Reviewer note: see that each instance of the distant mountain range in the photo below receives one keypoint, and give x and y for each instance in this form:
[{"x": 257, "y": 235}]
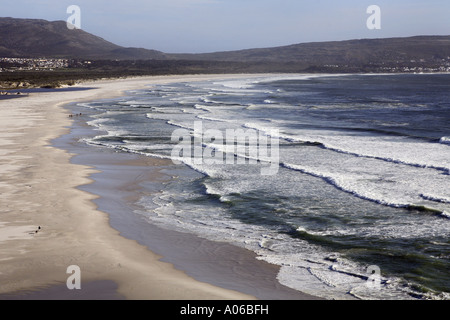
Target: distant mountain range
[
  {"x": 430, "y": 48},
  {"x": 33, "y": 38}
]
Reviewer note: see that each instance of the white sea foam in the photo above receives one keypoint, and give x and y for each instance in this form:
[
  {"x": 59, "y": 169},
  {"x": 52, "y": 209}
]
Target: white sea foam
[
  {"x": 97, "y": 122},
  {"x": 445, "y": 140},
  {"x": 302, "y": 266},
  {"x": 402, "y": 150},
  {"x": 382, "y": 184},
  {"x": 236, "y": 84},
  {"x": 101, "y": 124},
  {"x": 180, "y": 125},
  {"x": 202, "y": 107},
  {"x": 248, "y": 85},
  {"x": 202, "y": 117},
  {"x": 436, "y": 198}
]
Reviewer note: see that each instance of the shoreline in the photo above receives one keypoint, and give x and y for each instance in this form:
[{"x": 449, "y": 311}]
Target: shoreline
[
  {"x": 217, "y": 263},
  {"x": 73, "y": 232}
]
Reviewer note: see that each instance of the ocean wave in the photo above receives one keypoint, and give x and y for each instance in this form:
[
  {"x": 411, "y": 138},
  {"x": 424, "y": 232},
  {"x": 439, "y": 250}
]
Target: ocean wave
[
  {"x": 206, "y": 100},
  {"x": 440, "y": 199},
  {"x": 429, "y": 209},
  {"x": 89, "y": 105},
  {"x": 236, "y": 84},
  {"x": 202, "y": 117},
  {"x": 364, "y": 193},
  {"x": 202, "y": 107},
  {"x": 177, "y": 124},
  {"x": 135, "y": 149},
  {"x": 445, "y": 140},
  {"x": 97, "y": 122},
  {"x": 333, "y": 181},
  {"x": 441, "y": 163}
]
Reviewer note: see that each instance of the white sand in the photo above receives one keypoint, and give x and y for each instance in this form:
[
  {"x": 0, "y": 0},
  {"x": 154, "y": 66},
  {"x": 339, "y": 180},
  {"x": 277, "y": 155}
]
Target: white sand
[{"x": 38, "y": 188}]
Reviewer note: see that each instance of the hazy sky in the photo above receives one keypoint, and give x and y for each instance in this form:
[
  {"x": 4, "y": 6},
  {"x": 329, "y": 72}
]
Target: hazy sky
[{"x": 217, "y": 25}]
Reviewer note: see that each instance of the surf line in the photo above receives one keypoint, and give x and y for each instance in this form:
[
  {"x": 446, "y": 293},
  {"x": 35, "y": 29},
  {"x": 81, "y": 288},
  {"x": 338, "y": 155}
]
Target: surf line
[{"x": 212, "y": 146}]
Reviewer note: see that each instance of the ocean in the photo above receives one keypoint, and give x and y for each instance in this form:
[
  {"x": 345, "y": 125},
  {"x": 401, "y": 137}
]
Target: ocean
[{"x": 341, "y": 180}]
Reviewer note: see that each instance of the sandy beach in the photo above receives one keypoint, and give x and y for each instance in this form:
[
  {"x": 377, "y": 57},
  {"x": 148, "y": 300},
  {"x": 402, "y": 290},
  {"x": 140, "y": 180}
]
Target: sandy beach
[{"x": 48, "y": 223}]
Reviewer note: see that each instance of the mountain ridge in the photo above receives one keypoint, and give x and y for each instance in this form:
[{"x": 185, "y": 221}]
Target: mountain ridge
[
  {"x": 29, "y": 38},
  {"x": 34, "y": 38},
  {"x": 356, "y": 55}
]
